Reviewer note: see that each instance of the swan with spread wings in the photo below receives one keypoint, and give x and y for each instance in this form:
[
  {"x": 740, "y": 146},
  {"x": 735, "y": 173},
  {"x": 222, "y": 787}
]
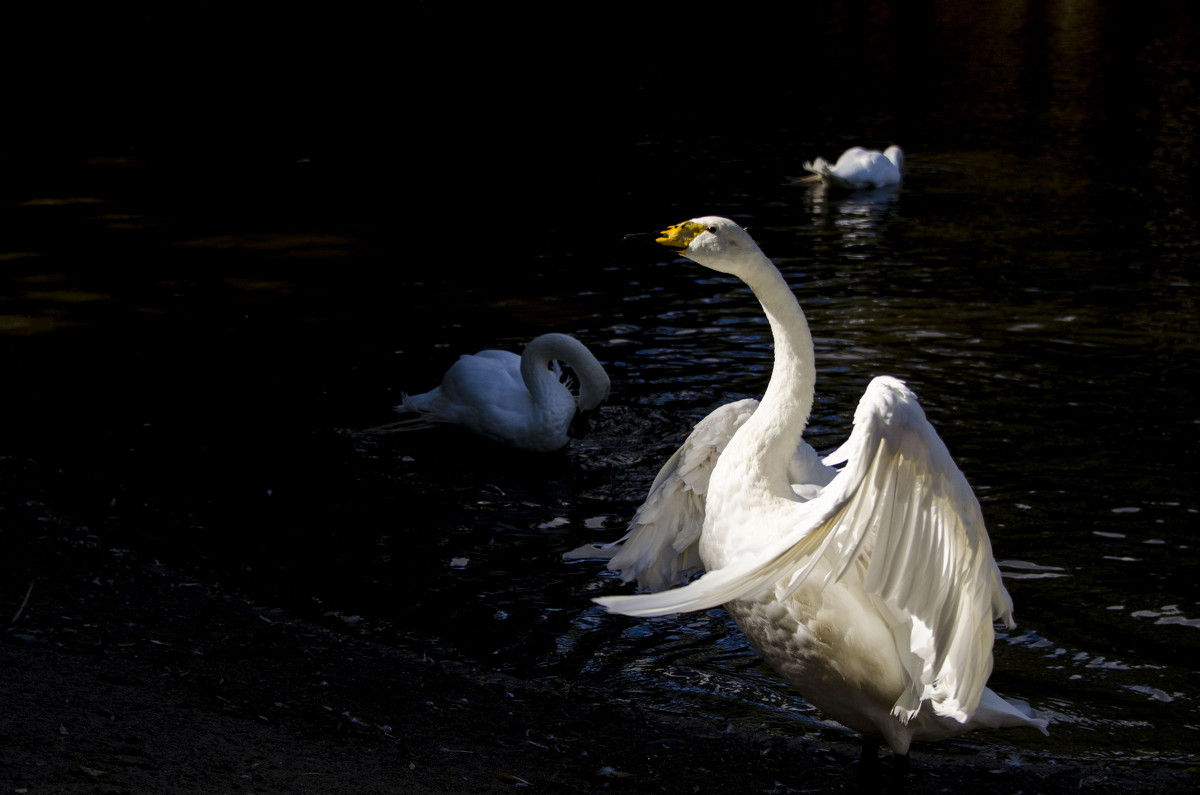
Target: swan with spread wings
[{"x": 866, "y": 580}]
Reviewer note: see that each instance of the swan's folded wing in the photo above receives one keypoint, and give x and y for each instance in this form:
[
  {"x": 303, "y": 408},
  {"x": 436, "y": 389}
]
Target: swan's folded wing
[
  {"x": 902, "y": 502},
  {"x": 661, "y": 547}
]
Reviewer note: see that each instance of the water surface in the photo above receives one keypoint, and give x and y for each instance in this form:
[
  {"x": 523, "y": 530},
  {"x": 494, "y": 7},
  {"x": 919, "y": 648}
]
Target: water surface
[{"x": 190, "y": 342}]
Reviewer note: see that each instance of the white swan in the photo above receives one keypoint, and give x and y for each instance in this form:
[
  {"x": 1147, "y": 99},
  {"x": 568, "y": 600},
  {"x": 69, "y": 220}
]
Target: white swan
[
  {"x": 521, "y": 400},
  {"x": 860, "y": 168},
  {"x": 872, "y": 594}
]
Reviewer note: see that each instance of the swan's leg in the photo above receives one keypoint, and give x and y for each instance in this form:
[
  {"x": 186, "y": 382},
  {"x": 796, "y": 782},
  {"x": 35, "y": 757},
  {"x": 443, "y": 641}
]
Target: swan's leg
[
  {"x": 867, "y": 774},
  {"x": 898, "y": 780}
]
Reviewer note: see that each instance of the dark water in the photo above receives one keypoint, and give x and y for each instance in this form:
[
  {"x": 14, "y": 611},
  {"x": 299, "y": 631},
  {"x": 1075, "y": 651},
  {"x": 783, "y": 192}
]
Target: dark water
[{"x": 210, "y": 274}]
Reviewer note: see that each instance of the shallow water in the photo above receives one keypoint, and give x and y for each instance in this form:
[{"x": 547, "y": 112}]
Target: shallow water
[{"x": 190, "y": 346}]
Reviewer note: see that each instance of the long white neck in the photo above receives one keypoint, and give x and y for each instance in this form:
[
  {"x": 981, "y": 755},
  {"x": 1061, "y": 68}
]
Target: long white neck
[{"x": 769, "y": 438}]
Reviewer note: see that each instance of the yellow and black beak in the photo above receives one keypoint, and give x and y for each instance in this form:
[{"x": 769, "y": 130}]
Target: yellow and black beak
[{"x": 676, "y": 237}]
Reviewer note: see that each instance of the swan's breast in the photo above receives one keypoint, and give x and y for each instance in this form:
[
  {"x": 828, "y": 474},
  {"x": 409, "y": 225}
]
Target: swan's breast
[{"x": 831, "y": 646}]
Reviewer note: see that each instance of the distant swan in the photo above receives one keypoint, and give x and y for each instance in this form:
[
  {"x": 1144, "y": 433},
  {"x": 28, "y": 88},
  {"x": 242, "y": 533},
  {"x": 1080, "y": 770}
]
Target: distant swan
[
  {"x": 860, "y": 168},
  {"x": 871, "y": 591},
  {"x": 519, "y": 401}
]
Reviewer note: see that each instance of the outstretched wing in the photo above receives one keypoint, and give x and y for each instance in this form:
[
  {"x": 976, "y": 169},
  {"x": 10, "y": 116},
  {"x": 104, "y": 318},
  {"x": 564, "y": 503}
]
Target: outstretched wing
[
  {"x": 661, "y": 547},
  {"x": 902, "y": 509}
]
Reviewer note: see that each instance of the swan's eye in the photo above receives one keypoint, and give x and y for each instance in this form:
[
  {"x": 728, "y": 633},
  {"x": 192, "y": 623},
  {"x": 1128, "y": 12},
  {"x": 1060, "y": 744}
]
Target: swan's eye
[{"x": 712, "y": 229}]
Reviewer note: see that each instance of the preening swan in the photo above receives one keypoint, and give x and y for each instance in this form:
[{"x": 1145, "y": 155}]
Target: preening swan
[
  {"x": 521, "y": 400},
  {"x": 872, "y": 591},
  {"x": 861, "y": 168}
]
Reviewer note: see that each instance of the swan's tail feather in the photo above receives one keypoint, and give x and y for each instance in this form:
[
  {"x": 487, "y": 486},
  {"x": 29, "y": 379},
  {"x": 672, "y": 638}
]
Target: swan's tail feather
[
  {"x": 996, "y": 712},
  {"x": 593, "y": 551},
  {"x": 823, "y": 172},
  {"x": 417, "y": 422},
  {"x": 421, "y": 413},
  {"x": 820, "y": 167}
]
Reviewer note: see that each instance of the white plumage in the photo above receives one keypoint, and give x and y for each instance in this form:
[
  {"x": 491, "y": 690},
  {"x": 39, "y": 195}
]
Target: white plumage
[
  {"x": 519, "y": 401},
  {"x": 860, "y": 168},
  {"x": 872, "y": 591},
  {"x": 662, "y": 545}
]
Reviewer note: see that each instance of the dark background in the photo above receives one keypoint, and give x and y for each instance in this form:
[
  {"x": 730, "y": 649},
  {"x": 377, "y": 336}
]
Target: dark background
[{"x": 231, "y": 231}]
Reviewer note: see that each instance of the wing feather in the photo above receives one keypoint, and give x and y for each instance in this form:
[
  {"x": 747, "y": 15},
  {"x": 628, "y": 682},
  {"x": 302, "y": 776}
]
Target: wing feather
[{"x": 661, "y": 547}]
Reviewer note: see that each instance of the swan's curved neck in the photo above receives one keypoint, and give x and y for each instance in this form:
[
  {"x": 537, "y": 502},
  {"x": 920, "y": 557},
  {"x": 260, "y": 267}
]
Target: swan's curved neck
[
  {"x": 769, "y": 439},
  {"x": 540, "y": 380}
]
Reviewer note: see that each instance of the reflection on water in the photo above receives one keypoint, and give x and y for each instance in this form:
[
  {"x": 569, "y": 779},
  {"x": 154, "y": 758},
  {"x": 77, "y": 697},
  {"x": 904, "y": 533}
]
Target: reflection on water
[
  {"x": 856, "y": 220},
  {"x": 184, "y": 355}
]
